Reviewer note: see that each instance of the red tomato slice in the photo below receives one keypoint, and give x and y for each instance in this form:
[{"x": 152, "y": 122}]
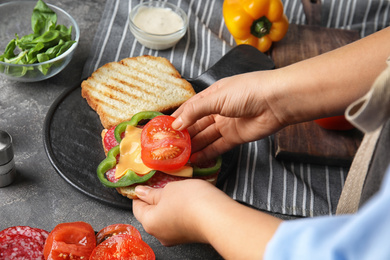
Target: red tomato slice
[
  {"x": 334, "y": 123},
  {"x": 73, "y": 240},
  {"x": 116, "y": 229},
  {"x": 123, "y": 246},
  {"x": 164, "y": 148}
]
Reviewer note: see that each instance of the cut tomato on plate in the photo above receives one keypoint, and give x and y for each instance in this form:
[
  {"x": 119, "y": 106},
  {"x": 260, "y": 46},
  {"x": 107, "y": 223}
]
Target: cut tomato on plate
[
  {"x": 123, "y": 246},
  {"x": 116, "y": 229},
  {"x": 73, "y": 240},
  {"x": 164, "y": 148}
]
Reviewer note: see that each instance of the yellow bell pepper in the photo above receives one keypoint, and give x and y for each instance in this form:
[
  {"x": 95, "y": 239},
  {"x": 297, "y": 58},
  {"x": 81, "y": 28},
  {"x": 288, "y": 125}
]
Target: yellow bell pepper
[{"x": 255, "y": 22}]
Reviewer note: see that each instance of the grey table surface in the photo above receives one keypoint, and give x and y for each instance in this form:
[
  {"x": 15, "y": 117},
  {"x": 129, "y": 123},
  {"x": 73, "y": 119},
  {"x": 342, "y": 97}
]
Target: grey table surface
[{"x": 39, "y": 197}]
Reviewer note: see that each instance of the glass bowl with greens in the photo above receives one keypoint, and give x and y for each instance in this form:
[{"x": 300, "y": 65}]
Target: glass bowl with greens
[{"x": 37, "y": 40}]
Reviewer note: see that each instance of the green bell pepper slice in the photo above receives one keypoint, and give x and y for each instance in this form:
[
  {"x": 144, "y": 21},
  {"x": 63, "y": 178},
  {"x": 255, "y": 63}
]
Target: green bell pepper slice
[
  {"x": 126, "y": 180},
  {"x": 210, "y": 170},
  {"x": 121, "y": 128}
]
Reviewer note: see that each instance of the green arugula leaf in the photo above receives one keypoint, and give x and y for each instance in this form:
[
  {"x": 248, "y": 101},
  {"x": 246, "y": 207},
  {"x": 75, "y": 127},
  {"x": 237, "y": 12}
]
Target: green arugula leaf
[
  {"x": 49, "y": 38},
  {"x": 42, "y": 57},
  {"x": 32, "y": 53},
  {"x": 17, "y": 59},
  {"x": 9, "y": 51},
  {"x": 66, "y": 33},
  {"x": 65, "y": 47},
  {"x": 43, "y": 18}
]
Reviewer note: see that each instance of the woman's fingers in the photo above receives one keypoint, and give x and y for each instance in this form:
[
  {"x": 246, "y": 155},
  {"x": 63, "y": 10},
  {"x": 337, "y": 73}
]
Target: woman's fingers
[
  {"x": 205, "y": 103},
  {"x": 200, "y": 125}
]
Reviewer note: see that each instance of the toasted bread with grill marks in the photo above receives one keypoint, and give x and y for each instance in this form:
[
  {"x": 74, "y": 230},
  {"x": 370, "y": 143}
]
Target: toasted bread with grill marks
[{"x": 118, "y": 90}]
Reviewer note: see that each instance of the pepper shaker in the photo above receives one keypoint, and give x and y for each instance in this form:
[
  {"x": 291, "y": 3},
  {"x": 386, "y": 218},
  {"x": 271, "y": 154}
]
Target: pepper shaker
[{"x": 7, "y": 163}]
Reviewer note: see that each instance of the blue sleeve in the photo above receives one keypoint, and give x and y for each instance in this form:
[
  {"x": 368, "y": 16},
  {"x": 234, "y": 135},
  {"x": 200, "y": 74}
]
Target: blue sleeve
[{"x": 364, "y": 235}]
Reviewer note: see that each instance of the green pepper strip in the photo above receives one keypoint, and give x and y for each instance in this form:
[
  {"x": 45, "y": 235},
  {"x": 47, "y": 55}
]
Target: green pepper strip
[
  {"x": 208, "y": 171},
  {"x": 119, "y": 129},
  {"x": 128, "y": 179}
]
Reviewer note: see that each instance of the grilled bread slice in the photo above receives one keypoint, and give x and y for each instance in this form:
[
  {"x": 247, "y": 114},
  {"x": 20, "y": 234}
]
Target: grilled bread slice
[{"x": 118, "y": 90}]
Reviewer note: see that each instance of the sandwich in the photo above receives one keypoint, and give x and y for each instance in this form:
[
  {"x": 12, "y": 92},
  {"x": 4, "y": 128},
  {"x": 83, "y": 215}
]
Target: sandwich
[
  {"x": 132, "y": 96},
  {"x": 151, "y": 154}
]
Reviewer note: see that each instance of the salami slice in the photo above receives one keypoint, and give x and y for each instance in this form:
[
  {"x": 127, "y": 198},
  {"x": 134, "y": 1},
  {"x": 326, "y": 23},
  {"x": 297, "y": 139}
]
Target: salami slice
[
  {"x": 159, "y": 180},
  {"x": 37, "y": 234},
  {"x": 110, "y": 175},
  {"x": 20, "y": 247}
]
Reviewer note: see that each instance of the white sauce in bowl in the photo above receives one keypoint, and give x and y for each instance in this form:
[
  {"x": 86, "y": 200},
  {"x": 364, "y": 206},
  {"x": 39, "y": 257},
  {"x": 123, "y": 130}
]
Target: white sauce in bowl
[
  {"x": 158, "y": 25},
  {"x": 158, "y": 20}
]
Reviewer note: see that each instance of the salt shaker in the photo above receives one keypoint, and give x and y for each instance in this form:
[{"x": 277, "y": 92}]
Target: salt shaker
[{"x": 7, "y": 163}]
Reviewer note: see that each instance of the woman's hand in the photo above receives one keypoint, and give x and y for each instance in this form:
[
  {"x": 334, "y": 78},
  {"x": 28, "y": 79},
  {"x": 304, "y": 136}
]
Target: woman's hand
[
  {"x": 194, "y": 211},
  {"x": 250, "y": 106},
  {"x": 171, "y": 214},
  {"x": 232, "y": 111}
]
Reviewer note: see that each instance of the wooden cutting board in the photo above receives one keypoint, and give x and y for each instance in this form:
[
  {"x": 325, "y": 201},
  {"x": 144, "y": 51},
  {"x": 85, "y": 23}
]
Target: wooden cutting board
[{"x": 308, "y": 142}]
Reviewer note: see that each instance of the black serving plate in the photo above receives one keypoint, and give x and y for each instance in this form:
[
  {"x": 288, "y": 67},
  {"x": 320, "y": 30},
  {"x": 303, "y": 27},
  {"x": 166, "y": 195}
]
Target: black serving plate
[{"x": 72, "y": 130}]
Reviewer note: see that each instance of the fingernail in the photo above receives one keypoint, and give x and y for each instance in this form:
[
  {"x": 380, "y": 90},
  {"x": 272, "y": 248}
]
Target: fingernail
[
  {"x": 177, "y": 123},
  {"x": 142, "y": 190}
]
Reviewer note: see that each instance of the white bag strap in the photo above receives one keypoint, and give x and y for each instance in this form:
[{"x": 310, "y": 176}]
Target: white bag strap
[
  {"x": 352, "y": 190},
  {"x": 368, "y": 114}
]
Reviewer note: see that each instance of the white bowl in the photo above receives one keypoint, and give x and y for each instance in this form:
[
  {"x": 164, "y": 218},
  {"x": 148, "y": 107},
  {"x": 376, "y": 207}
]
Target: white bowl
[
  {"x": 154, "y": 40},
  {"x": 15, "y": 17}
]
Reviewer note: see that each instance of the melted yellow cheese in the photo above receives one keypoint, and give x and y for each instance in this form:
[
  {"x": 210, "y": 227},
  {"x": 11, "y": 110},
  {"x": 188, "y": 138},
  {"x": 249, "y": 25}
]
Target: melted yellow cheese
[
  {"x": 130, "y": 153},
  {"x": 130, "y": 156},
  {"x": 185, "y": 171}
]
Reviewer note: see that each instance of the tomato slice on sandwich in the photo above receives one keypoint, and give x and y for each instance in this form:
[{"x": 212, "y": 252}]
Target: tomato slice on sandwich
[{"x": 164, "y": 148}]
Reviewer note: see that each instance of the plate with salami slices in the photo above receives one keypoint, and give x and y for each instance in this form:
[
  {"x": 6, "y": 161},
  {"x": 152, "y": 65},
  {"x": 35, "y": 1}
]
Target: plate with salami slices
[{"x": 72, "y": 130}]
